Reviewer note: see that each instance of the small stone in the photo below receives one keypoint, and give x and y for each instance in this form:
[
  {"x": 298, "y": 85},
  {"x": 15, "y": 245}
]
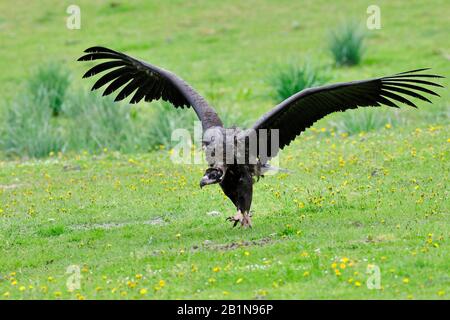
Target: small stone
[
  {"x": 155, "y": 221},
  {"x": 213, "y": 213}
]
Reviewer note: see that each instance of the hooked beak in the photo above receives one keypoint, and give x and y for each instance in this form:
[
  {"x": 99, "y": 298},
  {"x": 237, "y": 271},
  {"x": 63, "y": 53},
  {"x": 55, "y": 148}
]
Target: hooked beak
[{"x": 205, "y": 181}]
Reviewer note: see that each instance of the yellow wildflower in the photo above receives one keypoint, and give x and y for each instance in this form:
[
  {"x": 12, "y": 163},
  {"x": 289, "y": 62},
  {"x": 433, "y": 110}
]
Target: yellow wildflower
[
  {"x": 211, "y": 280},
  {"x": 143, "y": 291}
]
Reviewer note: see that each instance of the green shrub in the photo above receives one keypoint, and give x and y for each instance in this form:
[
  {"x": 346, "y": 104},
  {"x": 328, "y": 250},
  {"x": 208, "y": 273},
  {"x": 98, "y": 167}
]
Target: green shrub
[
  {"x": 48, "y": 86},
  {"x": 30, "y": 130},
  {"x": 85, "y": 121},
  {"x": 52, "y": 231},
  {"x": 166, "y": 118},
  {"x": 233, "y": 117},
  {"x": 292, "y": 78},
  {"x": 364, "y": 120},
  {"x": 92, "y": 122},
  {"x": 347, "y": 44}
]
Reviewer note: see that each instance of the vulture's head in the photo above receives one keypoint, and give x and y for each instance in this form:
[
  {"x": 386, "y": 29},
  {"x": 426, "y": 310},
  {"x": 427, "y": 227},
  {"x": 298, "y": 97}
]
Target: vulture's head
[{"x": 211, "y": 176}]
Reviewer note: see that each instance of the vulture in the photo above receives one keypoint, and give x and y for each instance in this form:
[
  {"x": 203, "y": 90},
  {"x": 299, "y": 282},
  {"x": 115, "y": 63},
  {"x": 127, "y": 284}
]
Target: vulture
[{"x": 237, "y": 158}]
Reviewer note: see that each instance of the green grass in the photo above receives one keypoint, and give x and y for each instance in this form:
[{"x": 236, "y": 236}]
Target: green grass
[
  {"x": 118, "y": 217},
  {"x": 222, "y": 48},
  {"x": 374, "y": 198},
  {"x": 287, "y": 80},
  {"x": 346, "y": 44},
  {"x": 28, "y": 128},
  {"x": 48, "y": 87}
]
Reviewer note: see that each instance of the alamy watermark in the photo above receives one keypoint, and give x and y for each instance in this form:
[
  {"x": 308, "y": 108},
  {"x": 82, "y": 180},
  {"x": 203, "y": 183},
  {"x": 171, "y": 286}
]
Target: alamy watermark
[
  {"x": 374, "y": 279},
  {"x": 373, "y": 21},
  {"x": 73, "y": 281},
  {"x": 73, "y": 21},
  {"x": 225, "y": 146}
]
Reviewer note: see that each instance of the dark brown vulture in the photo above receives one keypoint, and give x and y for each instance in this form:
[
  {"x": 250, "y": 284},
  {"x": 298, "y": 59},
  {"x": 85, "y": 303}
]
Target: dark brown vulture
[{"x": 237, "y": 158}]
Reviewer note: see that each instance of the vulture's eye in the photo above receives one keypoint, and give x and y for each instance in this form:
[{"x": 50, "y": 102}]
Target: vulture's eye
[{"x": 214, "y": 173}]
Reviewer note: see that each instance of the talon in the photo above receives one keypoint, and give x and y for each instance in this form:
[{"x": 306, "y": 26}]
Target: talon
[
  {"x": 246, "y": 221},
  {"x": 243, "y": 219},
  {"x": 238, "y": 217}
]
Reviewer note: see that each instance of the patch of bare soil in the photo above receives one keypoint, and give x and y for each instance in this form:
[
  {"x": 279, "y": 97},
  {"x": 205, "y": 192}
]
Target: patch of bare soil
[
  {"x": 10, "y": 186},
  {"x": 114, "y": 225},
  {"x": 208, "y": 245}
]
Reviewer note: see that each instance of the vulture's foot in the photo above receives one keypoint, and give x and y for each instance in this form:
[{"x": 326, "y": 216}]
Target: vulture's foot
[
  {"x": 238, "y": 217},
  {"x": 243, "y": 219},
  {"x": 246, "y": 221}
]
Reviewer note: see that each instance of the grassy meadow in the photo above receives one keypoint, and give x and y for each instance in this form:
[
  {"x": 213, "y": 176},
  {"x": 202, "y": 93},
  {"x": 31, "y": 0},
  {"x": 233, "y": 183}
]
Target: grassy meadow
[{"x": 368, "y": 189}]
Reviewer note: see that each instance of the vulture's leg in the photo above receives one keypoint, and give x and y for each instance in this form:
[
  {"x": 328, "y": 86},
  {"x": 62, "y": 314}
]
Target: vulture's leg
[
  {"x": 246, "y": 221},
  {"x": 232, "y": 194},
  {"x": 228, "y": 186},
  {"x": 244, "y": 200},
  {"x": 238, "y": 186}
]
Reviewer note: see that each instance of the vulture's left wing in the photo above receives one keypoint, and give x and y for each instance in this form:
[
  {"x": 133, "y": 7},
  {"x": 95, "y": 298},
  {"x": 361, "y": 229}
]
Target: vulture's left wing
[
  {"x": 300, "y": 111},
  {"x": 147, "y": 82}
]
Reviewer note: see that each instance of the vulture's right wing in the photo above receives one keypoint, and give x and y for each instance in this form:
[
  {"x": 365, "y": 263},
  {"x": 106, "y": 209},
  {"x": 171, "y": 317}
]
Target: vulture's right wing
[{"x": 148, "y": 82}]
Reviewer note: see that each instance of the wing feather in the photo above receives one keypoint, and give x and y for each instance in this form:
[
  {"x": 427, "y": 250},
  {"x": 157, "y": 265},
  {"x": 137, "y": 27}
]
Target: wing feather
[
  {"x": 147, "y": 82},
  {"x": 300, "y": 111}
]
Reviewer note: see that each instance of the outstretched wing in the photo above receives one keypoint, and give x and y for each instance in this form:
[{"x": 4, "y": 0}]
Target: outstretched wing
[
  {"x": 300, "y": 111},
  {"x": 147, "y": 82}
]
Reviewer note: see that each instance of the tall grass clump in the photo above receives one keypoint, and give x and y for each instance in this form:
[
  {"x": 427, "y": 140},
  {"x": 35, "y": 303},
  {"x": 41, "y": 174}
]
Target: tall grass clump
[
  {"x": 28, "y": 130},
  {"x": 346, "y": 44},
  {"x": 46, "y": 117},
  {"x": 291, "y": 78},
  {"x": 165, "y": 120},
  {"x": 49, "y": 85},
  {"x": 364, "y": 120},
  {"x": 92, "y": 122}
]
